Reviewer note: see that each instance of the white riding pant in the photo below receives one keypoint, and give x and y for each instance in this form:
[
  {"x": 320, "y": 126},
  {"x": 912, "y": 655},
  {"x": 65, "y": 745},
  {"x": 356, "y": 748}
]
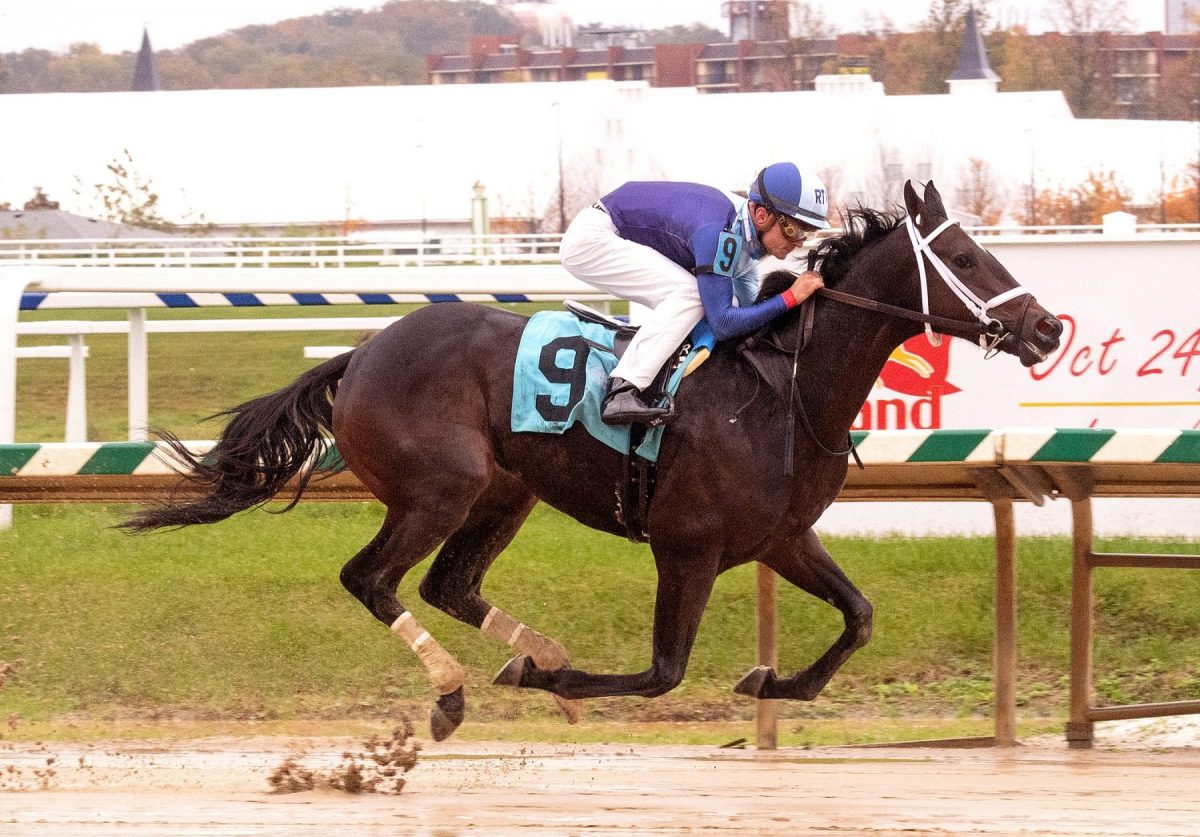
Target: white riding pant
[{"x": 593, "y": 252}]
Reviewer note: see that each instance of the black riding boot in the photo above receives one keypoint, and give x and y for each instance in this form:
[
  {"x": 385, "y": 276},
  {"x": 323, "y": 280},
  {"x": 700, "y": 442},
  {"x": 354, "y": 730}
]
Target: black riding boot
[{"x": 623, "y": 404}]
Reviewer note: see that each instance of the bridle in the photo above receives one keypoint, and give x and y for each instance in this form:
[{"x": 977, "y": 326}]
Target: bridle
[{"x": 989, "y": 330}]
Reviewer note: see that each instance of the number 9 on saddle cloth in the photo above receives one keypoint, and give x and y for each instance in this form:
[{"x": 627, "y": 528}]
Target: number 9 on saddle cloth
[{"x": 562, "y": 368}]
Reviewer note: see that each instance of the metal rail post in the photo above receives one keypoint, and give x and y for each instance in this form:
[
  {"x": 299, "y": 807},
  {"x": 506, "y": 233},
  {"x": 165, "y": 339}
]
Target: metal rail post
[
  {"x": 766, "y": 727},
  {"x": 1005, "y": 652},
  {"x": 1080, "y": 725},
  {"x": 10, "y": 305},
  {"x": 139, "y": 376}
]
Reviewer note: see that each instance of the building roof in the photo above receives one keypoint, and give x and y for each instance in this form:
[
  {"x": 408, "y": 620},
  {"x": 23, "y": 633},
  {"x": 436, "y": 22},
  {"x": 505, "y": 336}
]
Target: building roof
[
  {"x": 972, "y": 56},
  {"x": 545, "y": 58},
  {"x": 59, "y": 224},
  {"x": 636, "y": 55},
  {"x": 718, "y": 52},
  {"x": 503, "y": 61},
  {"x": 454, "y": 63},
  {"x": 590, "y": 58}
]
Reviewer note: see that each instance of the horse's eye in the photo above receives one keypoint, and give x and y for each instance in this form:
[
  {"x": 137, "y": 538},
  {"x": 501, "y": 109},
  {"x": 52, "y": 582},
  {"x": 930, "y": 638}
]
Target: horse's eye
[{"x": 962, "y": 260}]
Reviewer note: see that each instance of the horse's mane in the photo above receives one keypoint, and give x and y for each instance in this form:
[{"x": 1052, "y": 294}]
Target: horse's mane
[
  {"x": 863, "y": 227},
  {"x": 832, "y": 257}
]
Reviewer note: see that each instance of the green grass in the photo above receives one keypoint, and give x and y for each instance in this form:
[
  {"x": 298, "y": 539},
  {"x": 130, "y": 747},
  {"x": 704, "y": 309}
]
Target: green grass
[{"x": 245, "y": 621}]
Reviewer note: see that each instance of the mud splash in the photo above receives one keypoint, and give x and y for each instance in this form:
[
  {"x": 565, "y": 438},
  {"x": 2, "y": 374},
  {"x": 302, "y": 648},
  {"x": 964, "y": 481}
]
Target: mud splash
[{"x": 380, "y": 768}]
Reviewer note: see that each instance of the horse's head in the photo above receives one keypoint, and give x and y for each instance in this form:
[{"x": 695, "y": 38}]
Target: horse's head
[{"x": 959, "y": 277}]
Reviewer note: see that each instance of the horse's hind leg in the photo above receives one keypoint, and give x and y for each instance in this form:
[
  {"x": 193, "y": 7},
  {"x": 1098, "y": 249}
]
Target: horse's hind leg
[
  {"x": 453, "y": 583},
  {"x": 685, "y": 581},
  {"x": 806, "y": 564},
  {"x": 372, "y": 576}
]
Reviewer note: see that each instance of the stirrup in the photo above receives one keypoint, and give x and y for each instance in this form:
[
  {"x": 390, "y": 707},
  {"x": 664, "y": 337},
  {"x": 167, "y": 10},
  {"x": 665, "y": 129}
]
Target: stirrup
[{"x": 624, "y": 405}]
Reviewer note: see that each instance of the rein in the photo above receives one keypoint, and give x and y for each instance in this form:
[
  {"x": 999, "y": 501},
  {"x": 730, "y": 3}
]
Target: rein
[{"x": 989, "y": 330}]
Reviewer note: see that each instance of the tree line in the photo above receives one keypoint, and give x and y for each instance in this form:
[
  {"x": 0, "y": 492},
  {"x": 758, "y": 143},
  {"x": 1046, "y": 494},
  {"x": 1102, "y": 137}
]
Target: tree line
[
  {"x": 342, "y": 47},
  {"x": 388, "y": 45}
]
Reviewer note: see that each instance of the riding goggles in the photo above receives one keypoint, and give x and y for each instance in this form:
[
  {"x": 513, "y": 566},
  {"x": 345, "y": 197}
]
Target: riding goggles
[{"x": 793, "y": 230}]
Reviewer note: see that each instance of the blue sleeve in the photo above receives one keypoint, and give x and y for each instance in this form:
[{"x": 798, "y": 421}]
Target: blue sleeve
[{"x": 727, "y": 320}]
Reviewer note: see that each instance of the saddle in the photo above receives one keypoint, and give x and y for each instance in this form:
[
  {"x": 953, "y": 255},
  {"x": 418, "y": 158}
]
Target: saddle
[
  {"x": 658, "y": 391},
  {"x": 639, "y": 474}
]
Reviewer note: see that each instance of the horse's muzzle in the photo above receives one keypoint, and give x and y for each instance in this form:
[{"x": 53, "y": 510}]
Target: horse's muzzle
[{"x": 1038, "y": 335}]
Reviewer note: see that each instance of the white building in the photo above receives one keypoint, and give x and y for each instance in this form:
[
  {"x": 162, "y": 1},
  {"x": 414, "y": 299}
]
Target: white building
[{"x": 411, "y": 154}]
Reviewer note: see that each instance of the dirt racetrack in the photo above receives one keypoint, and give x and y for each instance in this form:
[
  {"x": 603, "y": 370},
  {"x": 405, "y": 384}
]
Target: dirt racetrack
[{"x": 219, "y": 787}]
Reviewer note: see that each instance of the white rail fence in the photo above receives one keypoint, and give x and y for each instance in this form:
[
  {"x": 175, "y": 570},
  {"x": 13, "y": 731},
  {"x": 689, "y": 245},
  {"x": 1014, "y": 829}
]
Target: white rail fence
[
  {"x": 243, "y": 252},
  {"x": 383, "y": 251}
]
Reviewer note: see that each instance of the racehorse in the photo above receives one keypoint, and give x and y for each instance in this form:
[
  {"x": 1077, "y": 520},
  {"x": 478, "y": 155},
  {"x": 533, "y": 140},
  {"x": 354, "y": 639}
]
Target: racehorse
[{"x": 421, "y": 415}]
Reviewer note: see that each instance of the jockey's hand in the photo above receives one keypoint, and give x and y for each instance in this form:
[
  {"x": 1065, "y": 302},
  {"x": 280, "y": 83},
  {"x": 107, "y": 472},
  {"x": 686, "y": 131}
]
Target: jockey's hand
[{"x": 806, "y": 284}]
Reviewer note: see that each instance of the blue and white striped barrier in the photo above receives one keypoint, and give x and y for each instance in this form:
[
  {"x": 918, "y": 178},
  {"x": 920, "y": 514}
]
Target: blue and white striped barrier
[{"x": 48, "y": 301}]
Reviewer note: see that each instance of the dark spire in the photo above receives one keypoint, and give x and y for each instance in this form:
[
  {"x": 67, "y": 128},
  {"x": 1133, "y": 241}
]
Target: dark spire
[
  {"x": 145, "y": 77},
  {"x": 972, "y": 57}
]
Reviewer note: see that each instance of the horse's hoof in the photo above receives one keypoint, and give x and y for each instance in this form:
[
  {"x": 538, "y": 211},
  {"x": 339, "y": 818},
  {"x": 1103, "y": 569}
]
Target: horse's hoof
[
  {"x": 570, "y": 708},
  {"x": 447, "y": 714},
  {"x": 512, "y": 672},
  {"x": 752, "y": 684}
]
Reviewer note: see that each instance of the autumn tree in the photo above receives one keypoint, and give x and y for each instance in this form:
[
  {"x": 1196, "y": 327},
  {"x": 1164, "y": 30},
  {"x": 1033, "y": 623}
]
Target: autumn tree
[
  {"x": 1022, "y": 61},
  {"x": 921, "y": 61},
  {"x": 1179, "y": 200},
  {"x": 978, "y": 193},
  {"x": 1083, "y": 29},
  {"x": 809, "y": 21},
  {"x": 129, "y": 198},
  {"x": 1083, "y": 204},
  {"x": 1178, "y": 94}
]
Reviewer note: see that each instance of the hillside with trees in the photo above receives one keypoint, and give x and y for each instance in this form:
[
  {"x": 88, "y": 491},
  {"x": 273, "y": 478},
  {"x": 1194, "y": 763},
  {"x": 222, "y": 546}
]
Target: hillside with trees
[
  {"x": 342, "y": 47},
  {"x": 389, "y": 45}
]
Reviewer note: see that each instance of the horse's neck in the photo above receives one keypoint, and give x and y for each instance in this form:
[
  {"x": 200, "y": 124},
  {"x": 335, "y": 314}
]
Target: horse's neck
[{"x": 850, "y": 345}]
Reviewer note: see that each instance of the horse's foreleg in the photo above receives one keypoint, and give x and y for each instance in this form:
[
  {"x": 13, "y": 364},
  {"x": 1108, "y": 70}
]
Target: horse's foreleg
[
  {"x": 684, "y": 585},
  {"x": 807, "y": 565}
]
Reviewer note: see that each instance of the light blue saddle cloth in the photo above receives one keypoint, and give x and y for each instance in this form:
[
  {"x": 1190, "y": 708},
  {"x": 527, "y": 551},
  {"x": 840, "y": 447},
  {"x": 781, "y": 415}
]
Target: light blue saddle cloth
[{"x": 561, "y": 375}]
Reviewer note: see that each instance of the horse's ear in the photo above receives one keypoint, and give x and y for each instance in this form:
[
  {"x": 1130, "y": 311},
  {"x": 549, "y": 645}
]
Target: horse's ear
[
  {"x": 933, "y": 204},
  {"x": 911, "y": 201}
]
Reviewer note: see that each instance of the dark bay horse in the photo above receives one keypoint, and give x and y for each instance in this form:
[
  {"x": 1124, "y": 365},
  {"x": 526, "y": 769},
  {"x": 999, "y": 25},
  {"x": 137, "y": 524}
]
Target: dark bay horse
[{"x": 421, "y": 415}]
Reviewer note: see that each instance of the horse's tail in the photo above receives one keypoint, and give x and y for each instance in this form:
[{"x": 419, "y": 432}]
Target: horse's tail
[{"x": 268, "y": 441}]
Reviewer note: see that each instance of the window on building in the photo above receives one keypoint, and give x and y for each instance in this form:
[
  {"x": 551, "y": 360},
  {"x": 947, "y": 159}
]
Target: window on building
[{"x": 1135, "y": 62}]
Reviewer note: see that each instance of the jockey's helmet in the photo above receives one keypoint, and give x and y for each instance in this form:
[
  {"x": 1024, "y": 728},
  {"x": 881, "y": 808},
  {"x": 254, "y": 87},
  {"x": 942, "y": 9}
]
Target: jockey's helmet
[{"x": 787, "y": 189}]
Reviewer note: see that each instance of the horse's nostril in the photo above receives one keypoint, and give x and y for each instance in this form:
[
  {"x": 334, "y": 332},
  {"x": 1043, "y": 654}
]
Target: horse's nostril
[{"x": 1048, "y": 327}]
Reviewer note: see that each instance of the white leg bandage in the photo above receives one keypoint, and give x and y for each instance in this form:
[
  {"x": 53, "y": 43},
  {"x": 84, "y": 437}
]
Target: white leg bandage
[
  {"x": 545, "y": 652},
  {"x": 445, "y": 673}
]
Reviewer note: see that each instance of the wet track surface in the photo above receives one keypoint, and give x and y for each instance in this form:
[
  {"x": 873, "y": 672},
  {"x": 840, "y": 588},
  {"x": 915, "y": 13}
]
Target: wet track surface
[{"x": 220, "y": 787}]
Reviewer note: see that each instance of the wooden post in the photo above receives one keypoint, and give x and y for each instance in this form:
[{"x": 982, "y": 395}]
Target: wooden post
[
  {"x": 1080, "y": 725},
  {"x": 1005, "y": 659},
  {"x": 766, "y": 734}
]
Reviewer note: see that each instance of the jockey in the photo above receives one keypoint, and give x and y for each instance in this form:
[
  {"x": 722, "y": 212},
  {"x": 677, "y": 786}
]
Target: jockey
[{"x": 688, "y": 251}]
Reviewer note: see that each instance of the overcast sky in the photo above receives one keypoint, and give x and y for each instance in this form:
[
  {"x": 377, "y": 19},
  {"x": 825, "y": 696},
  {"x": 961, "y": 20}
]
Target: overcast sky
[{"x": 116, "y": 25}]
